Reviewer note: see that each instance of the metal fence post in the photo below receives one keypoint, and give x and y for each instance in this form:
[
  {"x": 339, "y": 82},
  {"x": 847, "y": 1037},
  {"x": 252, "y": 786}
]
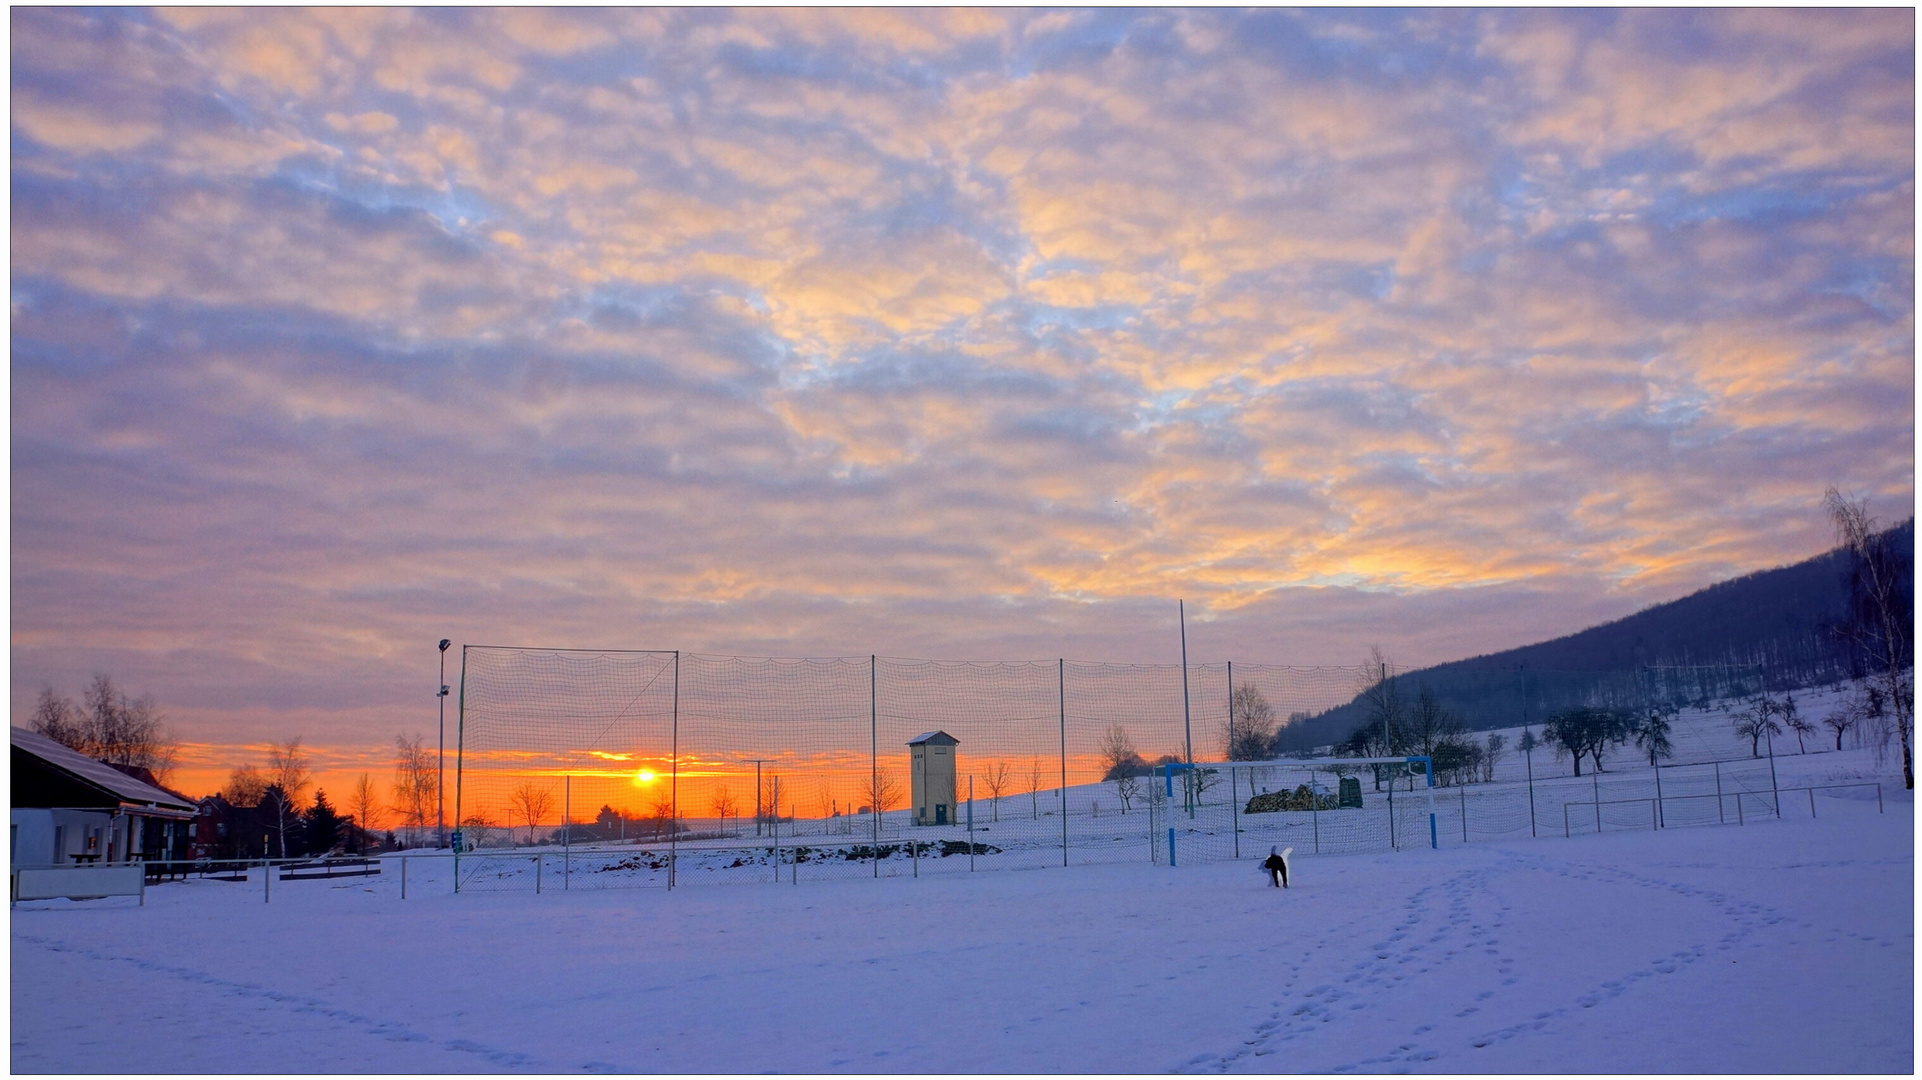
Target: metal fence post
[
  {"x": 1775, "y": 790},
  {"x": 403, "y": 877},
  {"x": 1463, "y": 790},
  {"x": 537, "y": 874},
  {"x": 268, "y": 879},
  {"x": 1721, "y": 811},
  {"x": 1530, "y": 756},
  {"x": 1658, "y": 793},
  {"x": 970, "y": 823},
  {"x": 1314, "y": 806}
]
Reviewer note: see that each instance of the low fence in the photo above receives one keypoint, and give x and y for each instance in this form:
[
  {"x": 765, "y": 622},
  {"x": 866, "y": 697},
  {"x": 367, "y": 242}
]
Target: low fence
[
  {"x": 1661, "y": 809},
  {"x": 1209, "y": 825}
]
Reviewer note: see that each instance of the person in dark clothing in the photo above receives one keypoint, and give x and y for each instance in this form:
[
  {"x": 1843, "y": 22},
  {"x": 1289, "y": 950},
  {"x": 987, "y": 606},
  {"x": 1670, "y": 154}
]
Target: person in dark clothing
[{"x": 1277, "y": 868}]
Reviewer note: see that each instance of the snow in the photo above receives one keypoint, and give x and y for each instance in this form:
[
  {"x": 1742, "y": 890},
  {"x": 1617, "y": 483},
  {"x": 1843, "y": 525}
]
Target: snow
[{"x": 1779, "y": 946}]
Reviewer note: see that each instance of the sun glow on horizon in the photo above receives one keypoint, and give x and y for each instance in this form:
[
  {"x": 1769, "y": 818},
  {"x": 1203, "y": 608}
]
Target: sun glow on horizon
[{"x": 644, "y": 777}]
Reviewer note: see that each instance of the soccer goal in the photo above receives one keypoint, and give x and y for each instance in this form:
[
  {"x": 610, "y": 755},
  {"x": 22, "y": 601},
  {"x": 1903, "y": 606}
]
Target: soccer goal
[{"x": 1209, "y": 811}]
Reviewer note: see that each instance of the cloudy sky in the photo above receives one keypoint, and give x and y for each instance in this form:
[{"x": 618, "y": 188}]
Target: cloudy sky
[{"x": 950, "y": 334}]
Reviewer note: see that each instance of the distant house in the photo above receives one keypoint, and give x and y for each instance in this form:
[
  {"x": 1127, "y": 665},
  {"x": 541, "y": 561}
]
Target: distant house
[
  {"x": 68, "y": 808},
  {"x": 224, "y": 831}
]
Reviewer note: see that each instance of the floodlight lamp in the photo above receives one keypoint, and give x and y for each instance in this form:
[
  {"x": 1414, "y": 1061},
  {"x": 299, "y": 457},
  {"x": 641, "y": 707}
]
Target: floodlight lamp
[{"x": 444, "y": 643}]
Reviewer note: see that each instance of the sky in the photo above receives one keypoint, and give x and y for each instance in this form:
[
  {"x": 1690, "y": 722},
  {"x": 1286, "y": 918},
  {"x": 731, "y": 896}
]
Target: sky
[{"x": 951, "y": 334}]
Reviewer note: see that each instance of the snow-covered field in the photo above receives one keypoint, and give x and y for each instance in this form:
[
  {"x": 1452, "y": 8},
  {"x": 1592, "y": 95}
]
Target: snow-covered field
[{"x": 1779, "y": 946}]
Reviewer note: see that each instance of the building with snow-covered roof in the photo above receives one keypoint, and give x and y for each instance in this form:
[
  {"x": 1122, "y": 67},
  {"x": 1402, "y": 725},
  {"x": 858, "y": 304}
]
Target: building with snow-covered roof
[
  {"x": 68, "y": 808},
  {"x": 931, "y": 766}
]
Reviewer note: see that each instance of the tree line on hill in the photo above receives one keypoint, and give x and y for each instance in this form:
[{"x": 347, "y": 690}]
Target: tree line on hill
[{"x": 1847, "y": 614}]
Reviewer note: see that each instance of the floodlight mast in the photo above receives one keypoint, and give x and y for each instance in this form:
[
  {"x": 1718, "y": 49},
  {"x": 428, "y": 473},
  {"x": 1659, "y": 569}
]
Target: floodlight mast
[{"x": 440, "y": 767}]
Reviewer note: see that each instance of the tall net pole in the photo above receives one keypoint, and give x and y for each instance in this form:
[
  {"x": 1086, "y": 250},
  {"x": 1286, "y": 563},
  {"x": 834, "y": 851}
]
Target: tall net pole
[
  {"x": 460, "y": 751},
  {"x": 674, "y": 775},
  {"x": 1187, "y": 724},
  {"x": 874, "y": 761},
  {"x": 1061, "y": 688},
  {"x": 440, "y": 778},
  {"x": 1234, "y": 793}
]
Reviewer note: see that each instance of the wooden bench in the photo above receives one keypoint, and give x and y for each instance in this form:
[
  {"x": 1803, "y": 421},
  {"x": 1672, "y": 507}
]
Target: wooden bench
[{"x": 331, "y": 868}]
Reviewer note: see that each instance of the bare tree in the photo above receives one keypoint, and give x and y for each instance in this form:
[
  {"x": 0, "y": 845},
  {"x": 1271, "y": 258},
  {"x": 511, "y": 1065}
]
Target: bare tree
[
  {"x": 661, "y": 813},
  {"x": 884, "y": 791},
  {"x": 1034, "y": 788},
  {"x": 1121, "y": 763},
  {"x": 1881, "y": 613},
  {"x": 533, "y": 801},
  {"x": 1845, "y": 716},
  {"x": 1250, "y": 732},
  {"x": 363, "y": 802},
  {"x": 415, "y": 784},
  {"x": 288, "y": 770},
  {"x": 996, "y": 778},
  {"x": 772, "y": 804},
  {"x": 1652, "y": 733},
  {"x": 1491, "y": 753},
  {"x": 1754, "y": 723},
  {"x": 478, "y": 824},
  {"x": 827, "y": 803},
  {"x": 113, "y": 728},
  {"x": 1382, "y": 731},
  {"x": 57, "y": 719},
  {"x": 723, "y": 805},
  {"x": 1796, "y": 722},
  {"x": 1202, "y": 779},
  {"x": 1118, "y": 753},
  {"x": 245, "y": 786}
]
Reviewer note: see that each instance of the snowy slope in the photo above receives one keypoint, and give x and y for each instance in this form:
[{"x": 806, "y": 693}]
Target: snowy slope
[{"x": 1778, "y": 946}]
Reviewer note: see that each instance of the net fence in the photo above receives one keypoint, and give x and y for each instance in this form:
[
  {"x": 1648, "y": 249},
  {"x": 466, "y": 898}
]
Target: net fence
[{"x": 585, "y": 769}]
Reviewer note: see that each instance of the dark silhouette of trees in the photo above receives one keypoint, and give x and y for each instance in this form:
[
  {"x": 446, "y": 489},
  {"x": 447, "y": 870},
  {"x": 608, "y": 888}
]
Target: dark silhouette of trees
[
  {"x": 1652, "y": 732},
  {"x": 323, "y": 825},
  {"x": 1586, "y": 731}
]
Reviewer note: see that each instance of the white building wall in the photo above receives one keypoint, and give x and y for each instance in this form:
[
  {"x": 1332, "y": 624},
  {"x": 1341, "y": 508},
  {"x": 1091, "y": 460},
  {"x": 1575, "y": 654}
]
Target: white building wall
[{"x": 34, "y": 831}]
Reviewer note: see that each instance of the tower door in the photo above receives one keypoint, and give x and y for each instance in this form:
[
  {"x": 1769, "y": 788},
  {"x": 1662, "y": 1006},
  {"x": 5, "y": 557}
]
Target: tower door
[{"x": 940, "y": 813}]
